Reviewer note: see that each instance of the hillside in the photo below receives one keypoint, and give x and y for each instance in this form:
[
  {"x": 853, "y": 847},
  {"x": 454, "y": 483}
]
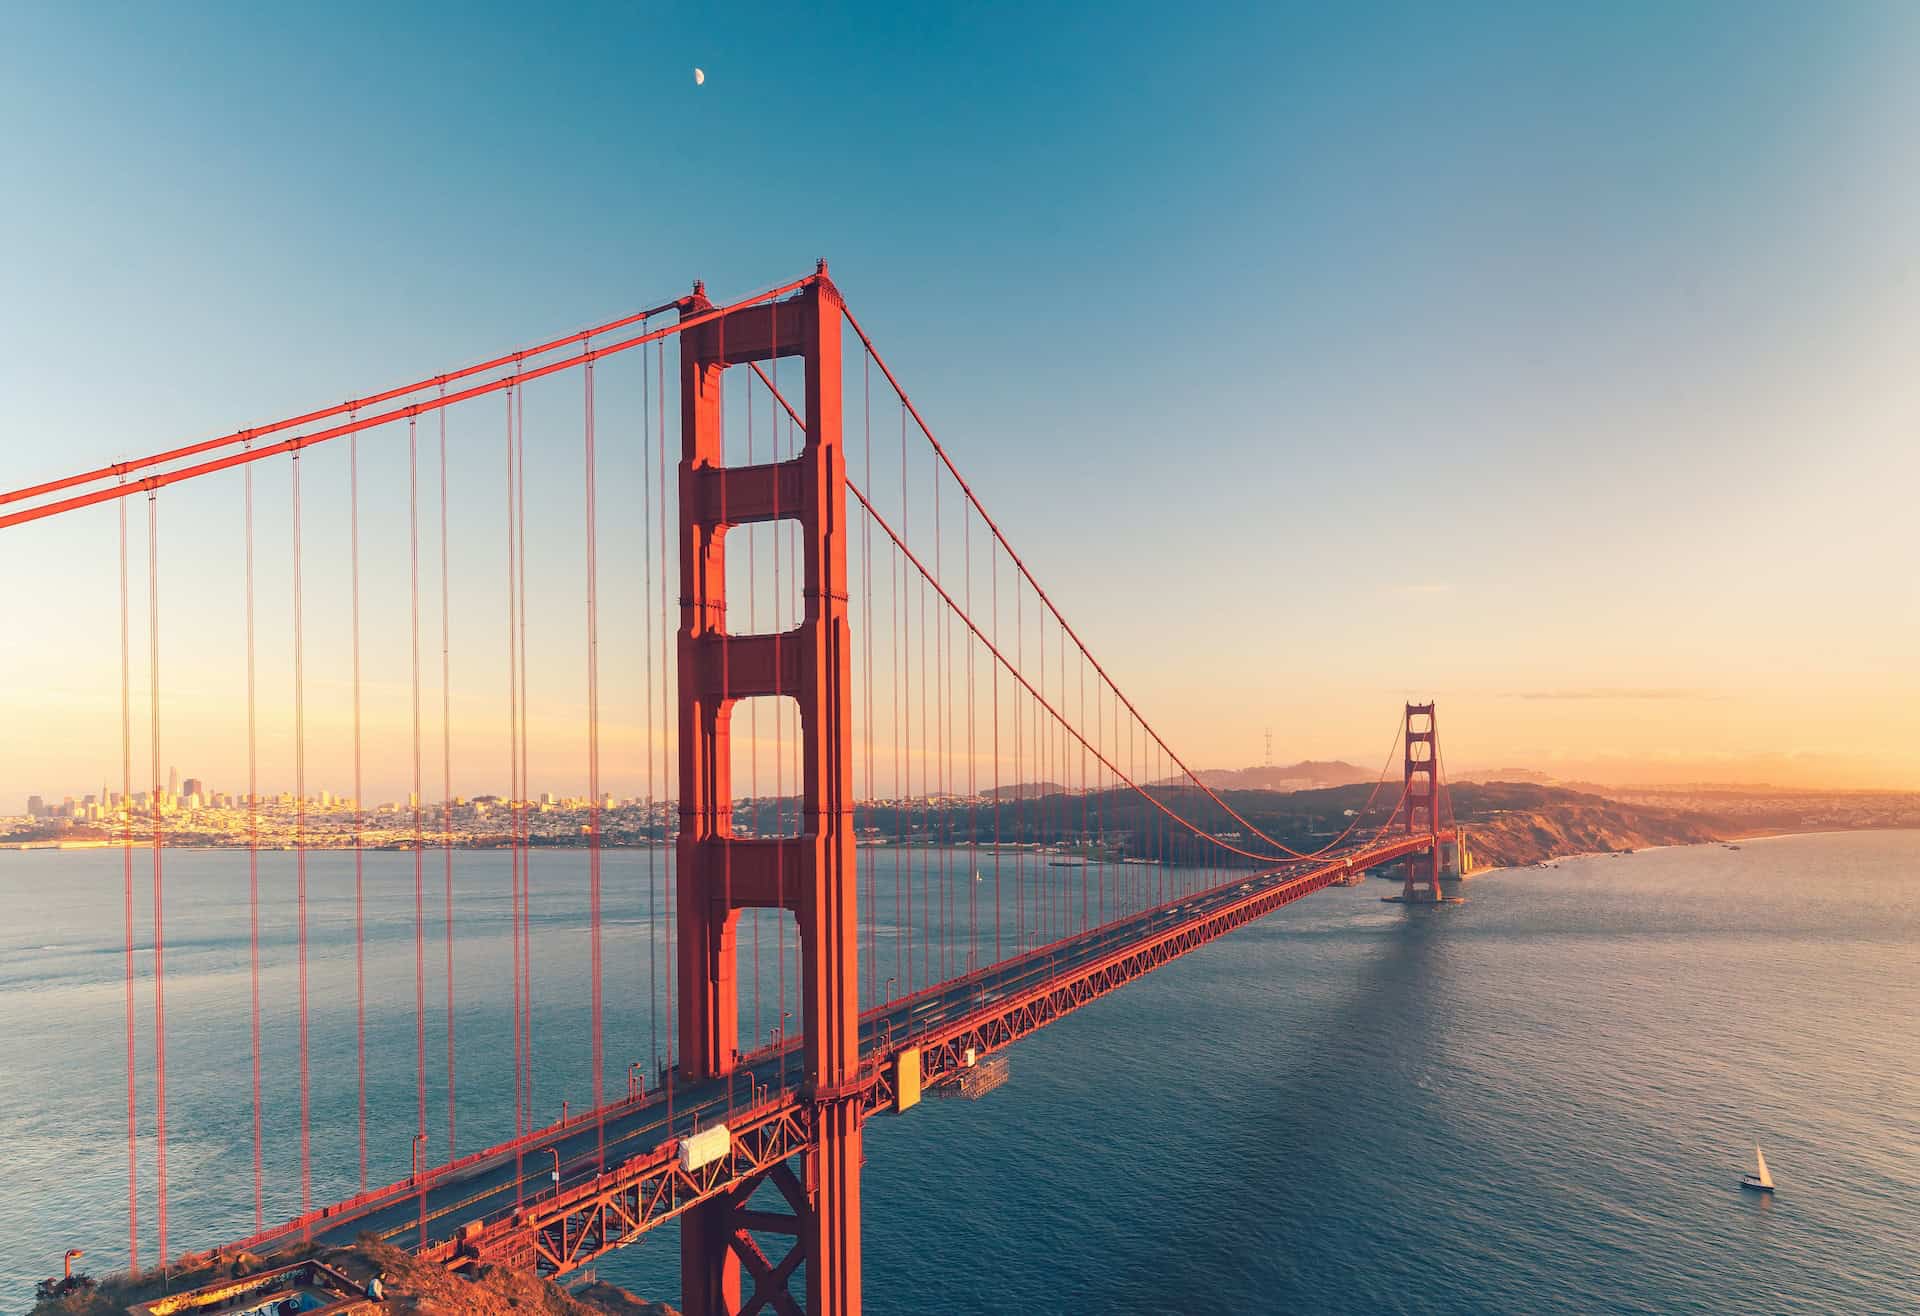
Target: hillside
[
  {"x": 413, "y": 1288},
  {"x": 1512, "y": 823},
  {"x": 1308, "y": 774},
  {"x": 1518, "y": 823}
]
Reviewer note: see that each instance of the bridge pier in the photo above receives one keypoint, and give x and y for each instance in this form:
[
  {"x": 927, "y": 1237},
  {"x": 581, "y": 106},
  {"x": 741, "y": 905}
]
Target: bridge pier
[{"x": 811, "y": 875}]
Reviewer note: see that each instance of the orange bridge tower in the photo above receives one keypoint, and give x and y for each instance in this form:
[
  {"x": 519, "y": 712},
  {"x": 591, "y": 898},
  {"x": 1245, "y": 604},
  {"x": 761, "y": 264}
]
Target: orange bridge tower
[
  {"x": 810, "y": 875},
  {"x": 1421, "y": 805}
]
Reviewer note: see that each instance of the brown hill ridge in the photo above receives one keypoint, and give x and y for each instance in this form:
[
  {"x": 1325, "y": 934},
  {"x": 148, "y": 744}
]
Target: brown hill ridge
[
  {"x": 1512, "y": 824},
  {"x": 1309, "y": 774}
]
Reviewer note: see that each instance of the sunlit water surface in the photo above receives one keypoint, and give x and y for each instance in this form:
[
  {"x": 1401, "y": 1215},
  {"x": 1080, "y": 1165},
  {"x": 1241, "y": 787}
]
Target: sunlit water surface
[{"x": 1540, "y": 1100}]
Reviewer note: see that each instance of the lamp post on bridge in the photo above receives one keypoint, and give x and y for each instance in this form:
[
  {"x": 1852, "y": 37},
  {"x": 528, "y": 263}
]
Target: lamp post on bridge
[{"x": 555, "y": 1153}]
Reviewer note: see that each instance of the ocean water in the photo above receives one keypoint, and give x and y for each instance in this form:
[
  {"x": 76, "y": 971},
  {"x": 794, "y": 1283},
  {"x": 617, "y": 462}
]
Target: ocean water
[{"x": 1537, "y": 1101}]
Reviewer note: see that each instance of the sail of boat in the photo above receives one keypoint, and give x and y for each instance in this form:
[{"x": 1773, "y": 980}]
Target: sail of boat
[{"x": 1766, "y": 1180}]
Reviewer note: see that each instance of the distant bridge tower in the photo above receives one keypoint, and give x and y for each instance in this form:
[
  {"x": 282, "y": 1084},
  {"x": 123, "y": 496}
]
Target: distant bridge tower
[
  {"x": 1421, "y": 805},
  {"x": 810, "y": 875}
]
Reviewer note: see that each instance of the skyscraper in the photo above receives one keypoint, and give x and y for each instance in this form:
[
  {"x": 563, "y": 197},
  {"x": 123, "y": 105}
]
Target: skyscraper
[{"x": 173, "y": 781}]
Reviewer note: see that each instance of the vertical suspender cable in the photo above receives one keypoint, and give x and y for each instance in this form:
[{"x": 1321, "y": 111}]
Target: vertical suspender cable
[
  {"x": 780, "y": 712},
  {"x": 253, "y": 882},
  {"x": 993, "y": 563},
  {"x": 526, "y": 850},
  {"x": 1042, "y": 743},
  {"x": 513, "y": 809},
  {"x": 1135, "y": 841},
  {"x": 646, "y": 648},
  {"x": 1050, "y": 773},
  {"x": 593, "y": 784},
  {"x": 926, "y": 805},
  {"x": 1066, "y": 806},
  {"x": 753, "y": 714},
  {"x": 1020, "y": 794},
  {"x": 446, "y": 770},
  {"x": 1118, "y": 877},
  {"x": 1097, "y": 835},
  {"x": 902, "y": 888},
  {"x": 419, "y": 837},
  {"x": 951, "y": 772},
  {"x": 943, "y": 700},
  {"x": 866, "y": 577},
  {"x": 300, "y": 850},
  {"x": 780, "y": 709},
  {"x": 943, "y": 721},
  {"x": 973, "y": 839},
  {"x": 906, "y": 717},
  {"x": 159, "y": 923},
  {"x": 126, "y": 865},
  {"x": 523, "y": 790},
  {"x": 666, "y": 680},
  {"x": 1064, "y": 762},
  {"x": 724, "y": 823},
  {"x": 1094, "y": 830},
  {"x": 795, "y": 771},
  {"x": 359, "y": 810}
]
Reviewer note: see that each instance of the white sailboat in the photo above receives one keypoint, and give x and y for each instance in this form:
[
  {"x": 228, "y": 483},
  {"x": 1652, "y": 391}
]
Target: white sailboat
[{"x": 1761, "y": 1182}]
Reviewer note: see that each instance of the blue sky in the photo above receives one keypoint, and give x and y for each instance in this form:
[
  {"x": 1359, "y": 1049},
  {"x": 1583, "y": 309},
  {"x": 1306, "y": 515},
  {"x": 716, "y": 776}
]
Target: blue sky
[{"x": 1492, "y": 351}]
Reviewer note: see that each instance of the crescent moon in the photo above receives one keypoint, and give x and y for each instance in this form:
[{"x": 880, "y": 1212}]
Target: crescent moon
[{"x": 699, "y": 77}]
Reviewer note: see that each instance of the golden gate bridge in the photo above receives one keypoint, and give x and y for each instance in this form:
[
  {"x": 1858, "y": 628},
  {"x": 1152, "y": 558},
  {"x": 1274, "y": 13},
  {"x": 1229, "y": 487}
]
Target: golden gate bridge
[{"x": 1066, "y": 848}]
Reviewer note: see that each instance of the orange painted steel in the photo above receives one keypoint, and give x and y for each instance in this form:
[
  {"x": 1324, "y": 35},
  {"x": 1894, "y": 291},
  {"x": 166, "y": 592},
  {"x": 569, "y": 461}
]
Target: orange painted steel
[
  {"x": 1420, "y": 803},
  {"x": 1013, "y": 669},
  {"x": 1019, "y": 564},
  {"x": 147, "y": 484},
  {"x": 589, "y": 1218},
  {"x": 722, "y": 1206},
  {"x": 123, "y": 469},
  {"x": 811, "y": 875}
]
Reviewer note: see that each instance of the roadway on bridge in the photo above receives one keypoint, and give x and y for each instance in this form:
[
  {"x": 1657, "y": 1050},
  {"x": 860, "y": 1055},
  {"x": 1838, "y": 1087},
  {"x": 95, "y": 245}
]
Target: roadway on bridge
[{"x": 494, "y": 1183}]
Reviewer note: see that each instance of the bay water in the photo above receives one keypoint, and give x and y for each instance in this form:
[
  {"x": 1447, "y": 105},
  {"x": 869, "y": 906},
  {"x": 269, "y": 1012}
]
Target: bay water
[{"x": 1540, "y": 1100}]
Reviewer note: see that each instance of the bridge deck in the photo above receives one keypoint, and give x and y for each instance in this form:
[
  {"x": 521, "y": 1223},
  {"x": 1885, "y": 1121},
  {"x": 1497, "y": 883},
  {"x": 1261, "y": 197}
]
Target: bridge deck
[{"x": 523, "y": 1217}]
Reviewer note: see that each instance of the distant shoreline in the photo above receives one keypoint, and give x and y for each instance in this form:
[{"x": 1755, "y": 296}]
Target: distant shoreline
[
  {"x": 145, "y": 843},
  {"x": 1766, "y": 835}
]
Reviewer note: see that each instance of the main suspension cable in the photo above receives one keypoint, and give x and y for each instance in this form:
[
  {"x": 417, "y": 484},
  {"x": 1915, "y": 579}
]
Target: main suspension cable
[{"x": 1020, "y": 565}]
